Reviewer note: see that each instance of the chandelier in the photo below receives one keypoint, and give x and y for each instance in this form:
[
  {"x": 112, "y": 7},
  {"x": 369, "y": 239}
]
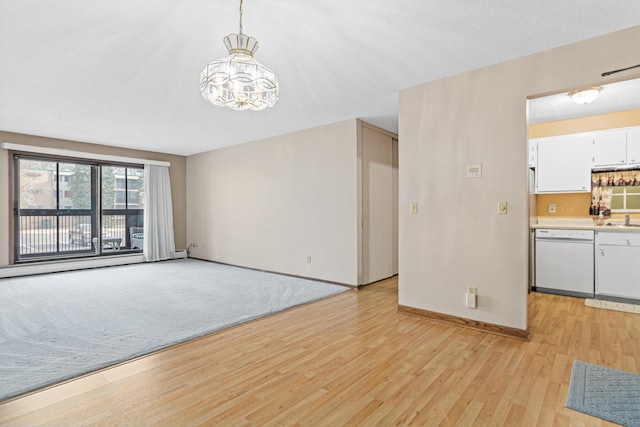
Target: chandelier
[{"x": 239, "y": 81}]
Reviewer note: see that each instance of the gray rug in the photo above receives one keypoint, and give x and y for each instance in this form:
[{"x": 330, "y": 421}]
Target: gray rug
[
  {"x": 605, "y": 393},
  {"x": 58, "y": 326}
]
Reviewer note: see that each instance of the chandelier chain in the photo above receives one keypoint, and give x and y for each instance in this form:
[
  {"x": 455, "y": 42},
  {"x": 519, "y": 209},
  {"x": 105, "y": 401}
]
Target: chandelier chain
[{"x": 240, "y": 16}]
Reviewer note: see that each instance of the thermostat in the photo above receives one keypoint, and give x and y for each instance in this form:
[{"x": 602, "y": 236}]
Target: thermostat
[{"x": 474, "y": 170}]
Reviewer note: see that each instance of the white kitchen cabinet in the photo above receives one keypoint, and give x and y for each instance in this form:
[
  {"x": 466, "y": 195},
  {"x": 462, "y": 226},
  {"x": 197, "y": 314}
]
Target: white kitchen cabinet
[
  {"x": 616, "y": 257},
  {"x": 564, "y": 164},
  {"x": 533, "y": 153},
  {"x": 610, "y": 148},
  {"x": 633, "y": 146}
]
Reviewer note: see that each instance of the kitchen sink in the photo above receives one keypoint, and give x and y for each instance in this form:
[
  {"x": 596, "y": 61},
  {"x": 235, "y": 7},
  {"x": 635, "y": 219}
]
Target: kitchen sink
[{"x": 621, "y": 225}]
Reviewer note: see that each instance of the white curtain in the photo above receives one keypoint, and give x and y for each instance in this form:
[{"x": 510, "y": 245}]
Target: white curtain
[{"x": 159, "y": 243}]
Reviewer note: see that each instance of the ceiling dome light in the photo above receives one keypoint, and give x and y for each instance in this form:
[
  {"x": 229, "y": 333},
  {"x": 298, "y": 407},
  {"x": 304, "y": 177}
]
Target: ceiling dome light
[
  {"x": 239, "y": 81},
  {"x": 585, "y": 96}
]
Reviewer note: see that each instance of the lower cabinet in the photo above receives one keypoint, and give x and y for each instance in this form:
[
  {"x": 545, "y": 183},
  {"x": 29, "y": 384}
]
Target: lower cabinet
[{"x": 616, "y": 256}]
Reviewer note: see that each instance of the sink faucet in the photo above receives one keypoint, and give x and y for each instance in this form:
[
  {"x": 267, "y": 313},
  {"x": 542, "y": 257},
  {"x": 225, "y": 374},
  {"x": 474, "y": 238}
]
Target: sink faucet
[{"x": 626, "y": 219}]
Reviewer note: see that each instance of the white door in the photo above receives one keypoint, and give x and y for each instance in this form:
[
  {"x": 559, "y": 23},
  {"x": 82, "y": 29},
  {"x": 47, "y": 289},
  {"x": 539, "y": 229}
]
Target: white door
[{"x": 377, "y": 206}]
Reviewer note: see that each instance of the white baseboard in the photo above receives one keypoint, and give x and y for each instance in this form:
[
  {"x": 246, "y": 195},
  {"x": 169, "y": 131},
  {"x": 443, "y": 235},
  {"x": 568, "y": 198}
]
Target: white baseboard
[{"x": 68, "y": 265}]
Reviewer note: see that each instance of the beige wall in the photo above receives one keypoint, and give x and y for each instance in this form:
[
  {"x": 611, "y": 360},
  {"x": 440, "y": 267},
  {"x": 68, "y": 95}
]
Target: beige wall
[
  {"x": 457, "y": 239},
  {"x": 177, "y": 173},
  {"x": 269, "y": 204}
]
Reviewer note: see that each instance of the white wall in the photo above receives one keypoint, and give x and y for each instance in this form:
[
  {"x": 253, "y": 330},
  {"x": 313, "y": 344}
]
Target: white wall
[
  {"x": 457, "y": 239},
  {"x": 269, "y": 204}
]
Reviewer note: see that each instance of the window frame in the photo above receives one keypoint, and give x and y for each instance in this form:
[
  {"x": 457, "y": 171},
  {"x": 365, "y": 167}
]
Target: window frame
[
  {"x": 96, "y": 213},
  {"x": 624, "y": 195}
]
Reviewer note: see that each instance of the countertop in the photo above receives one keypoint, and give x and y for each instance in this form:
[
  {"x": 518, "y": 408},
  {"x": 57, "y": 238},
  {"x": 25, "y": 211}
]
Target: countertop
[{"x": 581, "y": 224}]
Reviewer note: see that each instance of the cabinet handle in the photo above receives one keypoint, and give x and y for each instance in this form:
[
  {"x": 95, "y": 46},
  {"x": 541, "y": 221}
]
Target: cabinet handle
[
  {"x": 601, "y": 251},
  {"x": 628, "y": 240}
]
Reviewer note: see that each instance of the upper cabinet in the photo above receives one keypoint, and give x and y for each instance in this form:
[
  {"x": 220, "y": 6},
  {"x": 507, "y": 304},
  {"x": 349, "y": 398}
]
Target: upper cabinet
[
  {"x": 610, "y": 148},
  {"x": 564, "y": 164},
  {"x": 533, "y": 153},
  {"x": 616, "y": 147},
  {"x": 633, "y": 146}
]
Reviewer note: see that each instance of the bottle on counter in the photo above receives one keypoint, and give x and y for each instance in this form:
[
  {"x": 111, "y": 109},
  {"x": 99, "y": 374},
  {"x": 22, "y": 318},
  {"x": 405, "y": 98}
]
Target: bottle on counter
[{"x": 600, "y": 219}]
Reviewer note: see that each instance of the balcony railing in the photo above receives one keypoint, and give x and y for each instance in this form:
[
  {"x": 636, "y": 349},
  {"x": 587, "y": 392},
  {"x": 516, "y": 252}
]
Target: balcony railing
[{"x": 46, "y": 235}]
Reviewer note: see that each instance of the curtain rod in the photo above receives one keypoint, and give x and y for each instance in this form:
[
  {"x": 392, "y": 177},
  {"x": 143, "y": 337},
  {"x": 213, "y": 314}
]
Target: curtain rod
[
  {"x": 608, "y": 73},
  {"x": 80, "y": 154}
]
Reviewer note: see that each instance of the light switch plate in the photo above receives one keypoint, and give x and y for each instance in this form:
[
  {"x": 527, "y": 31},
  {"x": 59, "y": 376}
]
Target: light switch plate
[
  {"x": 502, "y": 207},
  {"x": 414, "y": 207}
]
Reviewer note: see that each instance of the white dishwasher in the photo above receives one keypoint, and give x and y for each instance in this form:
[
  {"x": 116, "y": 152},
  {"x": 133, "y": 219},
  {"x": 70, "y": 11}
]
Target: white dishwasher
[{"x": 564, "y": 262}]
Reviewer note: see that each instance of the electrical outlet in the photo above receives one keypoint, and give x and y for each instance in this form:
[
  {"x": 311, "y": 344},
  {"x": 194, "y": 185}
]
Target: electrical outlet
[
  {"x": 552, "y": 208},
  {"x": 472, "y": 297}
]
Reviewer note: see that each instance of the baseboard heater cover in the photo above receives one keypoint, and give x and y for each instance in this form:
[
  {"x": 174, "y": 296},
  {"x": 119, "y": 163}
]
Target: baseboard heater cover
[
  {"x": 68, "y": 265},
  {"x": 505, "y": 331},
  {"x": 180, "y": 253}
]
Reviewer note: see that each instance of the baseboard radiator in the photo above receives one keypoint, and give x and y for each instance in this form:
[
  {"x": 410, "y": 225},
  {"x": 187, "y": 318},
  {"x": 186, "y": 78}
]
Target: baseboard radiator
[{"x": 75, "y": 264}]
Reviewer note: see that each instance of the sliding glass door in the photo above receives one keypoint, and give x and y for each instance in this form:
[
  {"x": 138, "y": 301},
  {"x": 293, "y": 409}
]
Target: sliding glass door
[
  {"x": 122, "y": 210},
  {"x": 60, "y": 206}
]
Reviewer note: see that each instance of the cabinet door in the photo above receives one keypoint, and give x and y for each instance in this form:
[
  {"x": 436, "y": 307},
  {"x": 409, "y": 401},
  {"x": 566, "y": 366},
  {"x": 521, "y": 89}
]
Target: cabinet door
[
  {"x": 616, "y": 270},
  {"x": 633, "y": 146},
  {"x": 533, "y": 149},
  {"x": 564, "y": 164},
  {"x": 610, "y": 148}
]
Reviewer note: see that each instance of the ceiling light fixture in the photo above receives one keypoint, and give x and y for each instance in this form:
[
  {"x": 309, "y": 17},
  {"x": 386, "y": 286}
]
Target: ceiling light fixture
[
  {"x": 239, "y": 81},
  {"x": 585, "y": 96}
]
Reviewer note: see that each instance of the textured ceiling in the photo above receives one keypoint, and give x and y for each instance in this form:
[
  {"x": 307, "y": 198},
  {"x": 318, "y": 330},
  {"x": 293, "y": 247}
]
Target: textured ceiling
[
  {"x": 126, "y": 72},
  {"x": 621, "y": 96}
]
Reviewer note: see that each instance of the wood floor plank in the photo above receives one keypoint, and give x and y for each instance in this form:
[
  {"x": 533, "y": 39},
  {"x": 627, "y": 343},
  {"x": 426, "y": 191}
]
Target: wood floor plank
[{"x": 352, "y": 359}]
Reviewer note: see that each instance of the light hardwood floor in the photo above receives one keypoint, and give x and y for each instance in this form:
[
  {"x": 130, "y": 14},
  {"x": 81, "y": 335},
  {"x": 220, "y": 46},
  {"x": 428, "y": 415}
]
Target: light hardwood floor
[{"x": 352, "y": 360}]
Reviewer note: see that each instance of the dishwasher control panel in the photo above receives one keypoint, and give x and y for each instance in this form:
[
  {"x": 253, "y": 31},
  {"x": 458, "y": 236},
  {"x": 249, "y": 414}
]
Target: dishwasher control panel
[{"x": 544, "y": 233}]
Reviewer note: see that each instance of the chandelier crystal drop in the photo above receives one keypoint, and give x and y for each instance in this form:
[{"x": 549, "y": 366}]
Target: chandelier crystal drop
[{"x": 239, "y": 81}]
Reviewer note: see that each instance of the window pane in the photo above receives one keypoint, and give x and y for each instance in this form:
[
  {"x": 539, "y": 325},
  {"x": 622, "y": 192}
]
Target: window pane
[
  {"x": 112, "y": 186},
  {"x": 617, "y": 202},
  {"x": 37, "y": 184},
  {"x": 135, "y": 185},
  {"x": 633, "y": 202},
  {"x": 633, "y": 190},
  {"x": 77, "y": 187}
]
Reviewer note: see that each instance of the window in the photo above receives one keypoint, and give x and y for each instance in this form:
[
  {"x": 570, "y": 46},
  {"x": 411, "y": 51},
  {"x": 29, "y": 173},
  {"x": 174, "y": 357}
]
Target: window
[
  {"x": 60, "y": 207},
  {"x": 625, "y": 199}
]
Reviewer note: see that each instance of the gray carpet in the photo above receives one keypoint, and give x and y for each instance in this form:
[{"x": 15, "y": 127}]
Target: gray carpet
[
  {"x": 57, "y": 326},
  {"x": 605, "y": 393}
]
